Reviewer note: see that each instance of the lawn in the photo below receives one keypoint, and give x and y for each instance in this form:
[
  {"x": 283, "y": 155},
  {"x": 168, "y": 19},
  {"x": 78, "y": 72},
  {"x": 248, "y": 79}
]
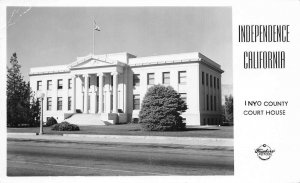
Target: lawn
[{"x": 134, "y": 129}]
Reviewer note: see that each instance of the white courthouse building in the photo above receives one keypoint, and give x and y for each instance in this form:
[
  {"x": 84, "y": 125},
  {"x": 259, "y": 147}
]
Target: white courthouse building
[{"x": 97, "y": 89}]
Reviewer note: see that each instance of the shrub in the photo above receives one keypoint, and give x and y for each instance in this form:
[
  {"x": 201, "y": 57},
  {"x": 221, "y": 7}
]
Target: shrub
[
  {"x": 65, "y": 126},
  {"x": 51, "y": 121},
  {"x": 161, "y": 109},
  {"x": 135, "y": 120}
]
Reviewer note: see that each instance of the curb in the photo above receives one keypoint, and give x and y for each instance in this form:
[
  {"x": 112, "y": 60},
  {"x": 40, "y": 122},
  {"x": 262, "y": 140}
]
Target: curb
[
  {"x": 159, "y": 139},
  {"x": 192, "y": 141},
  {"x": 22, "y": 134}
]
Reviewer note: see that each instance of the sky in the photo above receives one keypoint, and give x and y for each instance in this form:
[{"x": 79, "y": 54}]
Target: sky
[{"x": 45, "y": 36}]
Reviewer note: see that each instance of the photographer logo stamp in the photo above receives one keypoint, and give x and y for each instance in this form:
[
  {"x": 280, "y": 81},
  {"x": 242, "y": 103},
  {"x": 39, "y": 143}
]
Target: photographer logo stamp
[{"x": 264, "y": 152}]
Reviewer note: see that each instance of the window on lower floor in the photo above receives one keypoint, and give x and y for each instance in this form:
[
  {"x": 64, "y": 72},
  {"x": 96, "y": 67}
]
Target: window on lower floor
[
  {"x": 211, "y": 102},
  {"x": 59, "y": 103},
  {"x": 69, "y": 103},
  {"x": 136, "y": 102},
  {"x": 49, "y": 103},
  {"x": 215, "y": 103},
  {"x": 207, "y": 102},
  {"x": 39, "y": 100},
  {"x": 183, "y": 96}
]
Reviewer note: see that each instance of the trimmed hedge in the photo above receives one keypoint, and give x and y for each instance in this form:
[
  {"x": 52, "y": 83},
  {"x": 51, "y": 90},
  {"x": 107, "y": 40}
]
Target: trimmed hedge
[
  {"x": 65, "y": 126},
  {"x": 51, "y": 121},
  {"x": 161, "y": 110}
]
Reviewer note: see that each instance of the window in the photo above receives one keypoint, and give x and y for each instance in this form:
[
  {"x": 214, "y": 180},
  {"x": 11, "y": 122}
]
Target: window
[
  {"x": 49, "y": 85},
  {"x": 215, "y": 103},
  {"x": 203, "y": 79},
  {"x": 136, "y": 80},
  {"x": 39, "y": 101},
  {"x": 166, "y": 78},
  {"x": 39, "y": 85},
  {"x": 211, "y": 102},
  {"x": 69, "y": 103},
  {"x": 69, "y": 83},
  {"x": 210, "y": 78},
  {"x": 218, "y": 84},
  {"x": 182, "y": 77},
  {"x": 49, "y": 103},
  {"x": 136, "y": 102},
  {"x": 150, "y": 78},
  {"x": 59, "y": 84},
  {"x": 59, "y": 103},
  {"x": 183, "y": 96},
  {"x": 206, "y": 79},
  {"x": 214, "y": 82},
  {"x": 207, "y": 102}
]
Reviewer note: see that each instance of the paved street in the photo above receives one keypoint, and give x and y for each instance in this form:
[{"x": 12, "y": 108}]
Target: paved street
[{"x": 44, "y": 158}]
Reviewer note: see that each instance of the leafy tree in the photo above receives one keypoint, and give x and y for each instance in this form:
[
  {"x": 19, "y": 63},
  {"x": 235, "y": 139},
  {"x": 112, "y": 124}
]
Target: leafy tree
[
  {"x": 22, "y": 108},
  {"x": 228, "y": 108},
  {"x": 161, "y": 109}
]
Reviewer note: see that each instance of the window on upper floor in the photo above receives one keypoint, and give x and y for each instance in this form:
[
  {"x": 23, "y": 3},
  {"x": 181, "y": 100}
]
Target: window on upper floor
[
  {"x": 39, "y": 85},
  {"x": 150, "y": 79},
  {"x": 210, "y": 78},
  {"x": 49, "y": 84},
  {"x": 182, "y": 77},
  {"x": 69, "y": 83},
  {"x": 59, "y": 84},
  {"x": 218, "y": 83},
  {"x": 136, "y": 80},
  {"x": 214, "y": 82},
  {"x": 206, "y": 79},
  {"x": 166, "y": 78},
  {"x": 203, "y": 79}
]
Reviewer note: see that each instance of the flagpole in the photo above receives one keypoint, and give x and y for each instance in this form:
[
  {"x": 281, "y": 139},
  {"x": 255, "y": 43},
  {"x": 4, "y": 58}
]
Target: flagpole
[{"x": 93, "y": 37}]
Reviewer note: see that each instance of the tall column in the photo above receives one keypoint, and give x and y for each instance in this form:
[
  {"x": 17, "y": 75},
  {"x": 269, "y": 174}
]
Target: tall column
[
  {"x": 86, "y": 93},
  {"x": 115, "y": 92},
  {"x": 74, "y": 93},
  {"x": 100, "y": 89}
]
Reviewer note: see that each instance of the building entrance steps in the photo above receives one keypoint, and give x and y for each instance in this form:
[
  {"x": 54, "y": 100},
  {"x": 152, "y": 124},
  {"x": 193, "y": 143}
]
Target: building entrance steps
[{"x": 89, "y": 119}]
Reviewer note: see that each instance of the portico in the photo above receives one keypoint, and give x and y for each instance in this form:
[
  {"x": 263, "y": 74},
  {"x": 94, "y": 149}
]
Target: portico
[{"x": 98, "y": 97}]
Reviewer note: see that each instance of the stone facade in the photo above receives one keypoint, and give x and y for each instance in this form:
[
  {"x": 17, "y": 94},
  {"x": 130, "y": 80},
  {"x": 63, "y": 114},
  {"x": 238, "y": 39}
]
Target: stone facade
[{"x": 113, "y": 85}]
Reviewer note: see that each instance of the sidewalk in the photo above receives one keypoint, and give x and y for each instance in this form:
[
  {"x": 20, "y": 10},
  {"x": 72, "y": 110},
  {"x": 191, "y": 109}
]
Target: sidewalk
[{"x": 191, "y": 141}]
